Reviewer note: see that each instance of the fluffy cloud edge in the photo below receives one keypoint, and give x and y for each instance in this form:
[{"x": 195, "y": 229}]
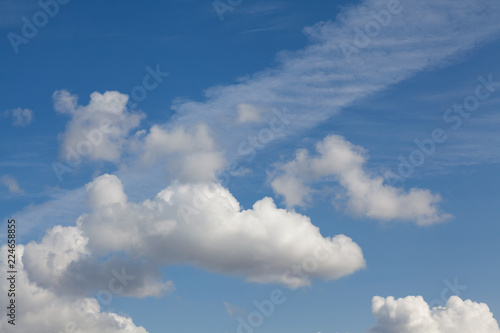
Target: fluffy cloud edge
[
  {"x": 37, "y": 304},
  {"x": 199, "y": 224},
  {"x": 364, "y": 194},
  {"x": 413, "y": 315}
]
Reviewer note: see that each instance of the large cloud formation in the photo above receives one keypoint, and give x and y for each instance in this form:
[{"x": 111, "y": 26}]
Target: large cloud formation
[
  {"x": 366, "y": 195},
  {"x": 199, "y": 224},
  {"x": 204, "y": 225},
  {"x": 413, "y": 315}
]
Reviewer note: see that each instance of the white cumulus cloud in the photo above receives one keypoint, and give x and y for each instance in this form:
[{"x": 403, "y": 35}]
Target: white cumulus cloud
[
  {"x": 200, "y": 224},
  {"x": 43, "y": 311},
  {"x": 97, "y": 131},
  {"x": 413, "y": 315},
  {"x": 63, "y": 263},
  {"x": 365, "y": 194},
  {"x": 190, "y": 154}
]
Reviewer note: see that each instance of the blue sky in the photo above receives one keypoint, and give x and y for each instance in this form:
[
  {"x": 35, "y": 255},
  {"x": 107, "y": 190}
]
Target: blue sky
[{"x": 207, "y": 148}]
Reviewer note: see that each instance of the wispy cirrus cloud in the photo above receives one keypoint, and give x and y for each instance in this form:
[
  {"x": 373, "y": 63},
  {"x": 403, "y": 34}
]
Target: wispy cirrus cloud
[{"x": 322, "y": 79}]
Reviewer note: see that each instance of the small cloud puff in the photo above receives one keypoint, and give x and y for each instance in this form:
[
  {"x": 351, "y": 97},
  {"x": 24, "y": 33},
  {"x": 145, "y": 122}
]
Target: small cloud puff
[
  {"x": 22, "y": 117},
  {"x": 11, "y": 184}
]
